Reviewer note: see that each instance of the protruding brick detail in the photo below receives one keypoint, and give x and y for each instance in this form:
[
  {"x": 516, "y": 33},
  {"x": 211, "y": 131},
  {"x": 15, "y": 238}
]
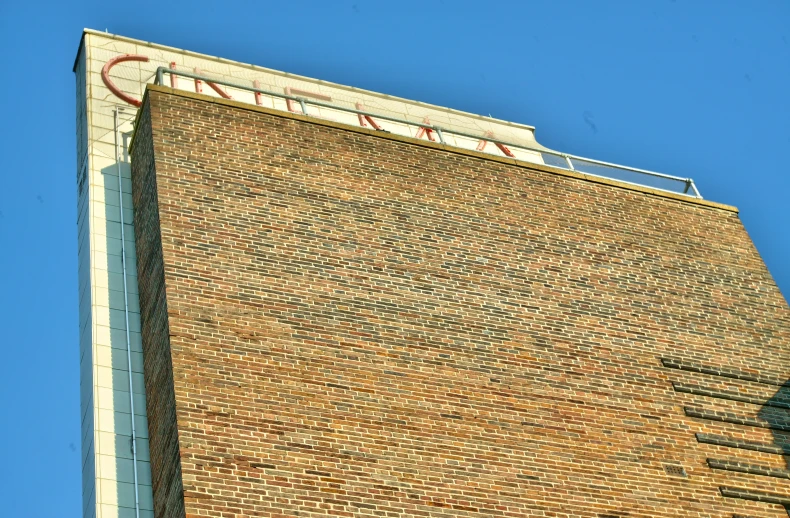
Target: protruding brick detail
[
  {"x": 730, "y": 442},
  {"x": 728, "y": 417},
  {"x": 731, "y": 396},
  {"x": 361, "y": 325},
  {"x": 722, "y": 371},
  {"x": 759, "y": 496},
  {"x": 753, "y": 469}
]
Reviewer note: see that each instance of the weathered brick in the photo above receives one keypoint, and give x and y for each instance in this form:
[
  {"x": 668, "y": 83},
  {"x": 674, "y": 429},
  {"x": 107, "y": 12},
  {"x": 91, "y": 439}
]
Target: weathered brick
[{"x": 343, "y": 323}]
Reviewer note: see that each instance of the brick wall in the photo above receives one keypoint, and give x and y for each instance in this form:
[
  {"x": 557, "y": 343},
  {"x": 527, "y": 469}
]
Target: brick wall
[
  {"x": 158, "y": 369},
  {"x": 340, "y": 323}
]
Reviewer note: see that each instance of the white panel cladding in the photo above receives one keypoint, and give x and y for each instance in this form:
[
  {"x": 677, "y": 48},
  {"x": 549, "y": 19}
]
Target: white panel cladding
[{"x": 108, "y": 473}]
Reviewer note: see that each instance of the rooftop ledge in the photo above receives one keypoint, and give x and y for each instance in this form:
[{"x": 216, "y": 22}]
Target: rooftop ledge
[{"x": 427, "y": 135}]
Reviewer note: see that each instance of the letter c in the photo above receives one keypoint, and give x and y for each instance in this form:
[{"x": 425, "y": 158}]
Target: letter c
[{"x": 105, "y": 76}]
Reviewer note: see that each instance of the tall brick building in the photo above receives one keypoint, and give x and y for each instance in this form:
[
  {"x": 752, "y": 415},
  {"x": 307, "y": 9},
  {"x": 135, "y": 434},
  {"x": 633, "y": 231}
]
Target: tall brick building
[{"x": 357, "y": 305}]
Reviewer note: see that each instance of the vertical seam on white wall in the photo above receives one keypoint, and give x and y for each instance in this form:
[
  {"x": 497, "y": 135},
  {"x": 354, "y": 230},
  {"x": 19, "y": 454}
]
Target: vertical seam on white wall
[{"x": 126, "y": 316}]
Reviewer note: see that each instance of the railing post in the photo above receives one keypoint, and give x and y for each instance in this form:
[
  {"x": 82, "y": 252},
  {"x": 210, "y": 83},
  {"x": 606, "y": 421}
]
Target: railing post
[
  {"x": 568, "y": 161},
  {"x": 694, "y": 188},
  {"x": 303, "y": 105},
  {"x": 159, "y": 76},
  {"x": 439, "y": 132}
]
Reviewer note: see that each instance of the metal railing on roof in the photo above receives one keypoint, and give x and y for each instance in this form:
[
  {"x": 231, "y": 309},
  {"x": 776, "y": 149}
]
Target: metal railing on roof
[{"x": 585, "y": 166}]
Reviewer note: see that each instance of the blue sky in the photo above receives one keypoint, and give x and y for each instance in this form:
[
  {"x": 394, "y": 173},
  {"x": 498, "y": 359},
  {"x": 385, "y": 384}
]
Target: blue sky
[{"x": 695, "y": 89}]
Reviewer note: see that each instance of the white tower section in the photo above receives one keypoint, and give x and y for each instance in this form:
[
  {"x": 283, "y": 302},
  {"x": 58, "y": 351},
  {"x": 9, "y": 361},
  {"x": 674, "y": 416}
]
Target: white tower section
[{"x": 109, "y": 309}]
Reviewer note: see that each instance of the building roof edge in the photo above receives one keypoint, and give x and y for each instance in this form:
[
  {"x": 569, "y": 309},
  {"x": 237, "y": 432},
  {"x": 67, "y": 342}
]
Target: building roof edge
[{"x": 452, "y": 149}]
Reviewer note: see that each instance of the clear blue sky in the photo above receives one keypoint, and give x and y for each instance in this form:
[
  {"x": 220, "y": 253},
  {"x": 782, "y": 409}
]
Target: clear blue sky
[{"x": 690, "y": 88}]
